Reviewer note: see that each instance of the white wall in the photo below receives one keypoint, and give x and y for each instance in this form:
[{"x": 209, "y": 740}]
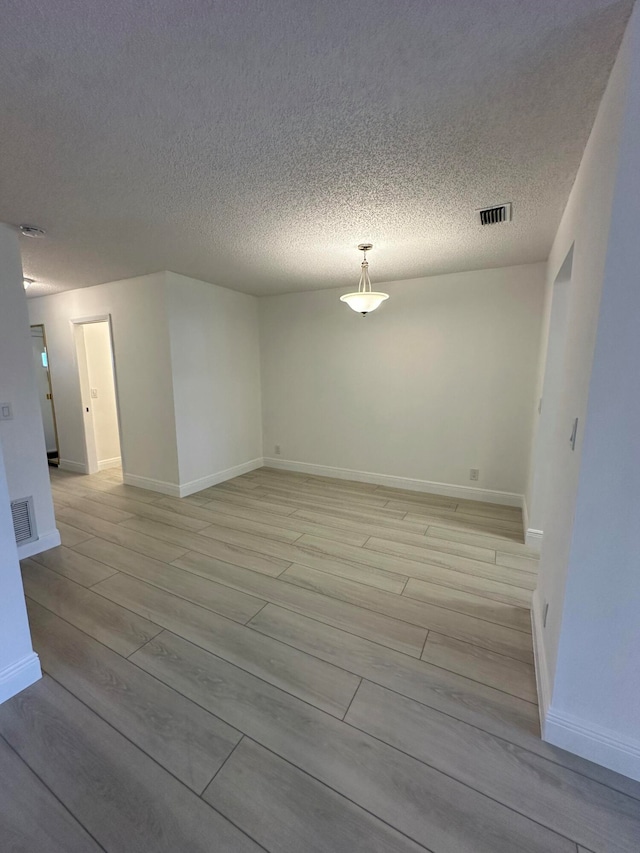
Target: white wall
[
  {"x": 215, "y": 359},
  {"x": 100, "y": 375},
  {"x": 19, "y": 666},
  {"x": 585, "y": 224},
  {"x": 597, "y": 681},
  {"x": 590, "y": 565},
  {"x": 22, "y": 437},
  {"x": 143, "y": 373},
  {"x": 187, "y": 373},
  {"x": 437, "y": 381}
]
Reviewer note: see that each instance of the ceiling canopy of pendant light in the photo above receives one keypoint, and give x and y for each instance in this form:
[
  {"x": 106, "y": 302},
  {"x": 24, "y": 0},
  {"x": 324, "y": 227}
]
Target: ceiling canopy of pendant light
[{"x": 364, "y": 300}]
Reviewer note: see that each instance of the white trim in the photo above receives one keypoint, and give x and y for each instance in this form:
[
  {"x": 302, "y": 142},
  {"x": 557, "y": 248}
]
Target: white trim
[
  {"x": 543, "y": 683},
  {"x": 42, "y": 543},
  {"x": 18, "y": 675},
  {"x": 93, "y": 465},
  {"x": 115, "y": 462},
  {"x": 219, "y": 477},
  {"x": 181, "y": 490},
  {"x": 593, "y": 742},
  {"x": 533, "y": 538},
  {"x": 446, "y": 489},
  {"x": 525, "y": 515},
  {"x": 96, "y": 318},
  {"x": 572, "y": 733},
  {"x": 172, "y": 489},
  {"x": 75, "y": 467}
]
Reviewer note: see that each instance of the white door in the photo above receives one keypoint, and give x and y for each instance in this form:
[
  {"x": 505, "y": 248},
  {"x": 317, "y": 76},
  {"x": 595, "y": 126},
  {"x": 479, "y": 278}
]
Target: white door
[{"x": 45, "y": 395}]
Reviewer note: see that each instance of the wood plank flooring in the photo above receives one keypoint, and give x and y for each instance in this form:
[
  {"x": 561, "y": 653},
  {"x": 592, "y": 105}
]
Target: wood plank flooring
[{"x": 290, "y": 663}]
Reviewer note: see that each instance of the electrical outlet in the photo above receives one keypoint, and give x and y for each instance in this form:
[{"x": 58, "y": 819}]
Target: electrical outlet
[
  {"x": 6, "y": 412},
  {"x": 276, "y": 450},
  {"x": 545, "y": 611},
  {"x": 474, "y": 473}
]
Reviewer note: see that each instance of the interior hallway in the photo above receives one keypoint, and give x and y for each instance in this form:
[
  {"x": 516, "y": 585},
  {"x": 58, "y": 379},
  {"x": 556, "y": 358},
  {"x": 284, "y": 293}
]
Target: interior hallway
[{"x": 330, "y": 665}]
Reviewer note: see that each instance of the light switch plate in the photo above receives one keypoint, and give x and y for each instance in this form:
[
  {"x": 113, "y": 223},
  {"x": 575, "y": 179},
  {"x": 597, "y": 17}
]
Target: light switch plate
[
  {"x": 94, "y": 393},
  {"x": 6, "y": 412}
]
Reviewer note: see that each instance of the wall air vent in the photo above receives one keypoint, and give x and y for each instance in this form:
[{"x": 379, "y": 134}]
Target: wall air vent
[
  {"x": 495, "y": 215},
  {"x": 24, "y": 524}
]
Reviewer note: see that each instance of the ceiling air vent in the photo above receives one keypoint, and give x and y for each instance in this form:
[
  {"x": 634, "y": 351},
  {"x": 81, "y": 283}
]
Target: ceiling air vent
[
  {"x": 24, "y": 525},
  {"x": 495, "y": 215}
]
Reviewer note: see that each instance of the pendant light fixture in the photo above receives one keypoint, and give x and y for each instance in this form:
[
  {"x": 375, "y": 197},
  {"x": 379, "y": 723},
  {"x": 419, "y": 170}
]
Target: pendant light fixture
[{"x": 364, "y": 299}]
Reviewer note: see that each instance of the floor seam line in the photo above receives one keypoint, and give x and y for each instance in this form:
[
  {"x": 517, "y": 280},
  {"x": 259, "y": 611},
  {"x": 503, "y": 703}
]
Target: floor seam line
[
  {"x": 82, "y": 631},
  {"x": 413, "y": 624},
  {"x": 235, "y": 746},
  {"x": 466, "y": 784},
  {"x": 53, "y": 794},
  {"x": 150, "y": 757},
  {"x": 355, "y": 692}
]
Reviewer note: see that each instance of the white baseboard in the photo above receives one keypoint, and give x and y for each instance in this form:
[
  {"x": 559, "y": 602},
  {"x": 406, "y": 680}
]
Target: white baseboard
[
  {"x": 543, "y": 683},
  {"x": 70, "y": 465},
  {"x": 115, "y": 462},
  {"x": 593, "y": 742},
  {"x": 576, "y": 735},
  {"x": 525, "y": 516},
  {"x": 164, "y": 488},
  {"x": 18, "y": 675},
  {"x": 181, "y": 490},
  {"x": 533, "y": 538},
  {"x": 219, "y": 477},
  {"x": 446, "y": 489},
  {"x": 42, "y": 543}
]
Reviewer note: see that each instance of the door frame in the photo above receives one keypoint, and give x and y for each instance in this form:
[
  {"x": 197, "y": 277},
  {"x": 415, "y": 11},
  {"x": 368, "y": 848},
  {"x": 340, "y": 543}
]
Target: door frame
[
  {"x": 49, "y": 382},
  {"x": 77, "y": 327},
  {"x": 549, "y": 424}
]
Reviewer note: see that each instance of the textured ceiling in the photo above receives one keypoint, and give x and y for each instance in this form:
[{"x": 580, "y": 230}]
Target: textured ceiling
[{"x": 255, "y": 143}]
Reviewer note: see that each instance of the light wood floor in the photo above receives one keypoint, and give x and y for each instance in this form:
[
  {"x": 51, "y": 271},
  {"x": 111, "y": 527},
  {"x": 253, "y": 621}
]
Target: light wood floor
[{"x": 289, "y": 663}]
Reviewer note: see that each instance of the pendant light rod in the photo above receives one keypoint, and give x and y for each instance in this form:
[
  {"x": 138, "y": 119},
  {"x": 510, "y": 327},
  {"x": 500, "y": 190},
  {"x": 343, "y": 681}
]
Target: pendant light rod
[{"x": 364, "y": 286}]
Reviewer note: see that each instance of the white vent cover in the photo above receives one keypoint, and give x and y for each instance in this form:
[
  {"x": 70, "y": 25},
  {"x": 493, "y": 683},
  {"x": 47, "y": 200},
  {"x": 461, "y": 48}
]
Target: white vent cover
[
  {"x": 496, "y": 214},
  {"x": 24, "y": 524}
]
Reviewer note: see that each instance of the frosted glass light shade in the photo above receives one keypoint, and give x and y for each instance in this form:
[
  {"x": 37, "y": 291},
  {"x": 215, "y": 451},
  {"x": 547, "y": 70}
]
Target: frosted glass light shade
[{"x": 364, "y": 302}]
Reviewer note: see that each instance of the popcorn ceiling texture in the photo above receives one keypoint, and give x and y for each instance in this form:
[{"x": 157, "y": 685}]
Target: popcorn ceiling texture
[{"x": 255, "y": 143}]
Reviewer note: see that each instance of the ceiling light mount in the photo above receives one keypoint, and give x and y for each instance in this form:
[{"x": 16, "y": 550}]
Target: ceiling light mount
[
  {"x": 364, "y": 299},
  {"x": 32, "y": 231}
]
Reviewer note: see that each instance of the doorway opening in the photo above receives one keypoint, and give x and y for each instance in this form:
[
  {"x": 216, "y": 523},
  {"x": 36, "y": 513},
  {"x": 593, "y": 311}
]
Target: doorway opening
[
  {"x": 550, "y": 425},
  {"x": 98, "y": 390},
  {"x": 40, "y": 356}
]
